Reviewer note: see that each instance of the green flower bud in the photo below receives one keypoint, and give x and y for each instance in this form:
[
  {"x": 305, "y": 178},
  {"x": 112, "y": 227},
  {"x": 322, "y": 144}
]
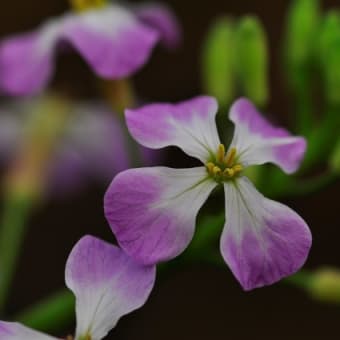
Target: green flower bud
[
  {"x": 329, "y": 54},
  {"x": 301, "y": 30},
  {"x": 217, "y": 61},
  {"x": 252, "y": 59},
  {"x": 325, "y": 285}
]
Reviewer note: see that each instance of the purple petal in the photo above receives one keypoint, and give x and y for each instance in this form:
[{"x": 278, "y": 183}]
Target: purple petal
[
  {"x": 94, "y": 147},
  {"x": 263, "y": 240},
  {"x": 111, "y": 40},
  {"x": 163, "y": 20},
  {"x": 16, "y": 331},
  {"x": 259, "y": 142},
  {"x": 107, "y": 284},
  {"x": 189, "y": 125},
  {"x": 152, "y": 211},
  {"x": 26, "y": 61},
  {"x": 98, "y": 137}
]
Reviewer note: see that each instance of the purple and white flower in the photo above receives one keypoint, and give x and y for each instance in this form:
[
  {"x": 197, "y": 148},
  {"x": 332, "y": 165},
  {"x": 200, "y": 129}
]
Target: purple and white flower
[
  {"x": 152, "y": 211},
  {"x": 107, "y": 284},
  {"x": 114, "y": 40},
  {"x": 94, "y": 145}
]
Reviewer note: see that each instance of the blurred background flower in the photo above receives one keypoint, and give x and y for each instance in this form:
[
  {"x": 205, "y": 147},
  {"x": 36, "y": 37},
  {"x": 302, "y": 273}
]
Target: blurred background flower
[
  {"x": 94, "y": 145},
  {"x": 116, "y": 32}
]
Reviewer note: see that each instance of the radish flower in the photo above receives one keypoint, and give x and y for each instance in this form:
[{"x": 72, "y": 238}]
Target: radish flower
[
  {"x": 115, "y": 41},
  {"x": 152, "y": 211}
]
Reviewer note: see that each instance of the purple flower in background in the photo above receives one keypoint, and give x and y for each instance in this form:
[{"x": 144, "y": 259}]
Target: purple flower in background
[
  {"x": 94, "y": 146},
  {"x": 107, "y": 284},
  {"x": 114, "y": 40},
  {"x": 152, "y": 211}
]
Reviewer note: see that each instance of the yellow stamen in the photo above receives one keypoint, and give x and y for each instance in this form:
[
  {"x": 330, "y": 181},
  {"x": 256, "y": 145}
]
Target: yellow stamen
[
  {"x": 229, "y": 172},
  {"x": 230, "y": 158},
  {"x": 210, "y": 166},
  {"x": 220, "y": 153},
  {"x": 216, "y": 170},
  {"x": 237, "y": 168},
  {"x": 224, "y": 168},
  {"x": 83, "y": 5}
]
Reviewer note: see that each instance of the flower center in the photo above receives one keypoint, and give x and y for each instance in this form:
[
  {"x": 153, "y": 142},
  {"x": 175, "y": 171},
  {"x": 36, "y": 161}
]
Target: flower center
[
  {"x": 224, "y": 166},
  {"x": 84, "y": 5}
]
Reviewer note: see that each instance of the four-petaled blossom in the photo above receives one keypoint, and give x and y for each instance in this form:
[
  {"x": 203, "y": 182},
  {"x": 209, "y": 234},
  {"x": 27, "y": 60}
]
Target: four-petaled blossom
[
  {"x": 152, "y": 211},
  {"x": 114, "y": 40},
  {"x": 107, "y": 285}
]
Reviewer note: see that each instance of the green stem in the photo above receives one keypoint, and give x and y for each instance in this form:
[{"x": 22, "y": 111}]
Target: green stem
[
  {"x": 303, "y": 279},
  {"x": 15, "y": 213},
  {"x": 49, "y": 314}
]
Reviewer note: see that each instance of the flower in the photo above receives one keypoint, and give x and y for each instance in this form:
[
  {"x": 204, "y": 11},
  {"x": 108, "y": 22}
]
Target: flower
[
  {"x": 107, "y": 284},
  {"x": 94, "y": 145},
  {"x": 114, "y": 40},
  {"x": 152, "y": 211}
]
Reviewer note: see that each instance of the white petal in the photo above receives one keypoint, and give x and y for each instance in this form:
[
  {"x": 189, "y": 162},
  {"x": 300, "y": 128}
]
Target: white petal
[
  {"x": 263, "y": 240},
  {"x": 112, "y": 40},
  {"x": 16, "y": 331},
  {"x": 259, "y": 142},
  {"x": 152, "y": 211},
  {"x": 107, "y": 284},
  {"x": 189, "y": 125}
]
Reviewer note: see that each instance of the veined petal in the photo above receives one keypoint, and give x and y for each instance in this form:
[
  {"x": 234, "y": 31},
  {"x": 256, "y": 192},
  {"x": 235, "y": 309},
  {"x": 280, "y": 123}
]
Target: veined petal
[
  {"x": 161, "y": 18},
  {"x": 152, "y": 211},
  {"x": 263, "y": 240},
  {"x": 27, "y": 60},
  {"x": 259, "y": 142},
  {"x": 16, "y": 331},
  {"x": 107, "y": 284},
  {"x": 189, "y": 125},
  {"x": 112, "y": 40}
]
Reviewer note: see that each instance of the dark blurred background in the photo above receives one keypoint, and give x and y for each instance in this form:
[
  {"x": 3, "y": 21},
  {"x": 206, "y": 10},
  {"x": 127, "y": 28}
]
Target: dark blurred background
[{"x": 200, "y": 302}]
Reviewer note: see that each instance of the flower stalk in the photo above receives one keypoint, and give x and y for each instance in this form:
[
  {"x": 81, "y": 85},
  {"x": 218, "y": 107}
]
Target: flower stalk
[{"x": 25, "y": 181}]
